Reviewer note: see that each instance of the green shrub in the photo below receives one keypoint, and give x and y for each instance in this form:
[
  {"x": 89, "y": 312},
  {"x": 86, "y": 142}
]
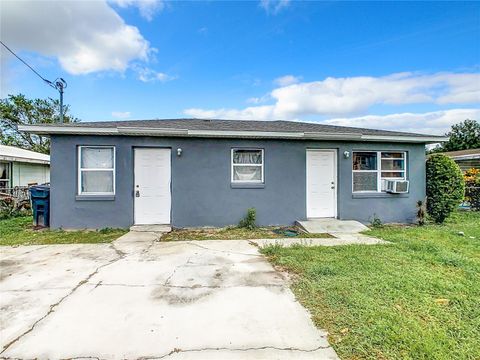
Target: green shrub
[
  {"x": 445, "y": 187},
  {"x": 375, "y": 222},
  {"x": 106, "y": 230},
  {"x": 421, "y": 213},
  {"x": 472, "y": 188},
  {"x": 472, "y": 195},
  {"x": 249, "y": 221}
]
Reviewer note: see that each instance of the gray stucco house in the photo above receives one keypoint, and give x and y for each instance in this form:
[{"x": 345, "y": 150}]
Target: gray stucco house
[{"x": 192, "y": 172}]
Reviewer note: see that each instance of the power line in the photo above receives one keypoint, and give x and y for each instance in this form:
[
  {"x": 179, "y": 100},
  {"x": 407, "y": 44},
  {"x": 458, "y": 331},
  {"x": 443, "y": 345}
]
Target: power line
[
  {"x": 31, "y": 68},
  {"x": 59, "y": 84}
]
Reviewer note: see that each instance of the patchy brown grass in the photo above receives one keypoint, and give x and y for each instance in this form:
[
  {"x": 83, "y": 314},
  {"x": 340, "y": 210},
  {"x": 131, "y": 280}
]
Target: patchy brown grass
[
  {"x": 19, "y": 231},
  {"x": 235, "y": 233}
]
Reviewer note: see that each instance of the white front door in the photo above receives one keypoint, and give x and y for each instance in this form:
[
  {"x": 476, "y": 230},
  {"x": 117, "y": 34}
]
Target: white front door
[
  {"x": 321, "y": 183},
  {"x": 152, "y": 186}
]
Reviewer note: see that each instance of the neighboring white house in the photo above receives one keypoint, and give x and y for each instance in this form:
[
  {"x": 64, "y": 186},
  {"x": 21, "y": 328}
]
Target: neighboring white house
[
  {"x": 20, "y": 167},
  {"x": 466, "y": 159}
]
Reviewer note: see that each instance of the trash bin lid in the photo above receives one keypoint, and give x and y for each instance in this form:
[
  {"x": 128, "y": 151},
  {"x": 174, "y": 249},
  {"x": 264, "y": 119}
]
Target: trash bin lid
[
  {"x": 40, "y": 187},
  {"x": 39, "y": 191}
]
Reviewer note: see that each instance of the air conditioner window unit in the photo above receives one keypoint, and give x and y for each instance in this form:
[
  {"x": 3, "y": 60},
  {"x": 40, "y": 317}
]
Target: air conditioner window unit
[{"x": 397, "y": 186}]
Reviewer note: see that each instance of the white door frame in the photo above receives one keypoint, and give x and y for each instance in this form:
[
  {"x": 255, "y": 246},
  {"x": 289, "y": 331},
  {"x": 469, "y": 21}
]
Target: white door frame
[
  {"x": 134, "y": 180},
  {"x": 335, "y": 176}
]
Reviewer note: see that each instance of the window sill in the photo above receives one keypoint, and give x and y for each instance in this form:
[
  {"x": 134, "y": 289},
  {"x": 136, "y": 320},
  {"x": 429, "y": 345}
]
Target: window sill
[
  {"x": 247, "y": 185},
  {"x": 378, "y": 195},
  {"x": 95, "y": 197}
]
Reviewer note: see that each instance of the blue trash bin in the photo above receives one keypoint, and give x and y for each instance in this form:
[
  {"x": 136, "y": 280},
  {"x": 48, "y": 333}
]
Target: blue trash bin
[{"x": 40, "y": 197}]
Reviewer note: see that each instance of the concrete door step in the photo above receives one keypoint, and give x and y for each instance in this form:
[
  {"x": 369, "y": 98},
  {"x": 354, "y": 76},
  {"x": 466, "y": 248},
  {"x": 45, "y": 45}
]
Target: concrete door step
[
  {"x": 331, "y": 226},
  {"x": 151, "y": 228},
  {"x": 339, "y": 240}
]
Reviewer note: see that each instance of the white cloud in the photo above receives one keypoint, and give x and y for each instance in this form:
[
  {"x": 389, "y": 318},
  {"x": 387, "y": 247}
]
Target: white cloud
[
  {"x": 254, "y": 100},
  {"x": 259, "y": 100},
  {"x": 435, "y": 122},
  {"x": 146, "y": 74},
  {"x": 147, "y": 8},
  {"x": 85, "y": 36},
  {"x": 287, "y": 80},
  {"x": 249, "y": 113},
  {"x": 121, "y": 114},
  {"x": 274, "y": 6},
  {"x": 355, "y": 95},
  {"x": 464, "y": 88}
]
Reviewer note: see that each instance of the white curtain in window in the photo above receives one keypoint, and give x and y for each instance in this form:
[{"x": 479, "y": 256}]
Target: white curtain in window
[
  {"x": 247, "y": 157},
  {"x": 247, "y": 173},
  {"x": 97, "y": 181},
  {"x": 97, "y": 158}
]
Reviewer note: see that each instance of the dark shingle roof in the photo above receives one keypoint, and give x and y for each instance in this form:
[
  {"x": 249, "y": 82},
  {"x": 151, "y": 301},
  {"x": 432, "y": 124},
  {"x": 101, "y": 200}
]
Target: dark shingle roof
[
  {"x": 462, "y": 152},
  {"x": 239, "y": 125}
]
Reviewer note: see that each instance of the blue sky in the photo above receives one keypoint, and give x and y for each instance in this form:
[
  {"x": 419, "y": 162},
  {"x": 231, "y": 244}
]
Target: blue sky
[{"x": 393, "y": 65}]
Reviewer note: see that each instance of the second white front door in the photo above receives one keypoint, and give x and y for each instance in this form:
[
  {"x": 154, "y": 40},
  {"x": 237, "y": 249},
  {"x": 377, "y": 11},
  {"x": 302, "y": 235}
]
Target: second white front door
[
  {"x": 321, "y": 183},
  {"x": 152, "y": 186}
]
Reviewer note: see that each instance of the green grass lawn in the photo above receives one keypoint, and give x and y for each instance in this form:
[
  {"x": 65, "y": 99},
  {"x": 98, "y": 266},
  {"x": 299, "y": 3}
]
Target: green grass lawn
[
  {"x": 418, "y": 298},
  {"x": 232, "y": 233},
  {"x": 18, "y": 231}
]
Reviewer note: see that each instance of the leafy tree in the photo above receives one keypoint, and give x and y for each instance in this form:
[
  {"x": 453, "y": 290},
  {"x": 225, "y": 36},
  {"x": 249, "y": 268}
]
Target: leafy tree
[
  {"x": 462, "y": 136},
  {"x": 445, "y": 187},
  {"x": 18, "y": 110}
]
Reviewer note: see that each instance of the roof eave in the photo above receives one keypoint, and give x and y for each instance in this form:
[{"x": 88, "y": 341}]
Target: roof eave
[
  {"x": 465, "y": 157},
  {"x": 23, "y": 160},
  {"x": 142, "y": 131},
  {"x": 66, "y": 130},
  {"x": 410, "y": 139}
]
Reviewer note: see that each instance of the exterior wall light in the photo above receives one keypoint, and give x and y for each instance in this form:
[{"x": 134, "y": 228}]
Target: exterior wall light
[
  {"x": 179, "y": 152},
  {"x": 346, "y": 154}
]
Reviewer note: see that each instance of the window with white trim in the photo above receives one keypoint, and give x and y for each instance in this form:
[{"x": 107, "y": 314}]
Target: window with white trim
[
  {"x": 96, "y": 170},
  {"x": 247, "y": 166},
  {"x": 371, "y": 169},
  {"x": 5, "y": 175}
]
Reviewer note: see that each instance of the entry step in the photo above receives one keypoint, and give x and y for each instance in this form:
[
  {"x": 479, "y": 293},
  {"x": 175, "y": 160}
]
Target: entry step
[
  {"x": 151, "y": 228},
  {"x": 331, "y": 226}
]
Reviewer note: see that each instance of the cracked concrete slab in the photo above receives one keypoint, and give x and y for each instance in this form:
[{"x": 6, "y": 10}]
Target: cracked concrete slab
[
  {"x": 32, "y": 278},
  {"x": 14, "y": 251},
  {"x": 135, "y": 243},
  {"x": 262, "y": 353},
  {"x": 140, "y": 298},
  {"x": 21, "y": 309}
]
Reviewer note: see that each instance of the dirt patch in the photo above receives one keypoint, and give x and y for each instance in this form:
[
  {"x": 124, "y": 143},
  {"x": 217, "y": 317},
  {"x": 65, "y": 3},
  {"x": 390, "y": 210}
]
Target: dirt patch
[
  {"x": 8, "y": 268},
  {"x": 180, "y": 296},
  {"x": 236, "y": 233},
  {"x": 259, "y": 278}
]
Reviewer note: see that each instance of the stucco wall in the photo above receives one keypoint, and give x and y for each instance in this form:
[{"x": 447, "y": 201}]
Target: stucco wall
[{"x": 201, "y": 191}]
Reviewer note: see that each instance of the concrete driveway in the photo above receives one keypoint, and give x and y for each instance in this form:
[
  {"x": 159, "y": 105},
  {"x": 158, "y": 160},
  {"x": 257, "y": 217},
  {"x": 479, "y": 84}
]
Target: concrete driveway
[{"x": 142, "y": 299}]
